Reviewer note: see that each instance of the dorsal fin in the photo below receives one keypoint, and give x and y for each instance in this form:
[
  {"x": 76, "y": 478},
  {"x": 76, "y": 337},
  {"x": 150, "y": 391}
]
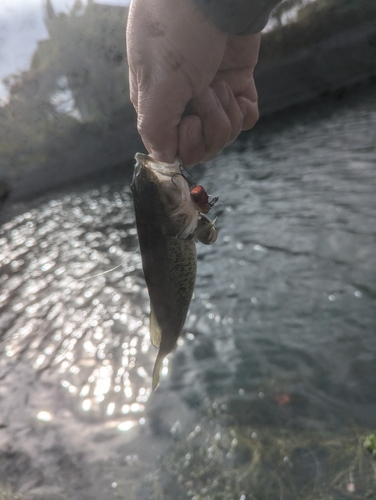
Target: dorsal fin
[{"x": 155, "y": 330}]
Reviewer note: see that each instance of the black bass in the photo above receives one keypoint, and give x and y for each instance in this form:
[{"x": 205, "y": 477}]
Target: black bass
[{"x": 168, "y": 221}]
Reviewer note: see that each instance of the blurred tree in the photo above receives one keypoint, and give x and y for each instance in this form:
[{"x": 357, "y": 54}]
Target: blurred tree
[
  {"x": 79, "y": 75},
  {"x": 87, "y": 47}
]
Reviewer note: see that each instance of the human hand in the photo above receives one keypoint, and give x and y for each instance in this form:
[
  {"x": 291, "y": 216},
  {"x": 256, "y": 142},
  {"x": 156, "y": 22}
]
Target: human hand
[{"x": 192, "y": 85}]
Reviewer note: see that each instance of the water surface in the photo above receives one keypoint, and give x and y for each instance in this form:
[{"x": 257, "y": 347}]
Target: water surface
[{"x": 280, "y": 333}]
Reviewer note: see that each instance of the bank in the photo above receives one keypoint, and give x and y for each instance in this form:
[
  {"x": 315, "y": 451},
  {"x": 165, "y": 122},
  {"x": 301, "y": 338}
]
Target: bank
[{"x": 330, "y": 66}]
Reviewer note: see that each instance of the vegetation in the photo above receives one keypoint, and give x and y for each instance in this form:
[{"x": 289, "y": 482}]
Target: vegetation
[
  {"x": 7, "y": 494},
  {"x": 222, "y": 461},
  {"x": 370, "y": 444},
  {"x": 316, "y": 21}
]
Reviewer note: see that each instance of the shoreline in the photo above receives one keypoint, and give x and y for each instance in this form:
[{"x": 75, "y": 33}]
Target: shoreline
[{"x": 320, "y": 70}]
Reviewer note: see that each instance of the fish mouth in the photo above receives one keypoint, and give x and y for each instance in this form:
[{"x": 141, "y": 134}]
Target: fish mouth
[{"x": 147, "y": 161}]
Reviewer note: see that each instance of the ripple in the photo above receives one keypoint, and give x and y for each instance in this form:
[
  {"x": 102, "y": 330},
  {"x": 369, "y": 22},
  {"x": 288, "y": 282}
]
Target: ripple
[
  {"x": 294, "y": 265},
  {"x": 90, "y": 332}
]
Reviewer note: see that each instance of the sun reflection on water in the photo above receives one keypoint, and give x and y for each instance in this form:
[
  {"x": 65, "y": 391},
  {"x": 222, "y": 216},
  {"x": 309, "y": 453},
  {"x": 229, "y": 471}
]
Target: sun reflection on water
[{"x": 92, "y": 333}]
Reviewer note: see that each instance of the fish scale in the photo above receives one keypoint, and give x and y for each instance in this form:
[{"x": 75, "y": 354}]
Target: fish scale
[
  {"x": 179, "y": 267},
  {"x": 164, "y": 210},
  {"x": 167, "y": 225}
]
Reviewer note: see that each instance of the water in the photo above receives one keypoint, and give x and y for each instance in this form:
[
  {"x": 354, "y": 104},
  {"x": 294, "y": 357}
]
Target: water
[{"x": 280, "y": 333}]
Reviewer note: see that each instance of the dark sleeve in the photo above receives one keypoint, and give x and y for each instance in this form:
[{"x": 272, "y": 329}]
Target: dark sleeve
[{"x": 240, "y": 17}]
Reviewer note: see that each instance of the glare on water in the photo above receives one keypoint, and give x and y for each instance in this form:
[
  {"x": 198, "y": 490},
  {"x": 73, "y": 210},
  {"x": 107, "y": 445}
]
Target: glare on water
[{"x": 280, "y": 333}]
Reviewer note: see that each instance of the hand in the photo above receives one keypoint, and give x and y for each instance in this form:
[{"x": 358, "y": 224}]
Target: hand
[{"x": 192, "y": 85}]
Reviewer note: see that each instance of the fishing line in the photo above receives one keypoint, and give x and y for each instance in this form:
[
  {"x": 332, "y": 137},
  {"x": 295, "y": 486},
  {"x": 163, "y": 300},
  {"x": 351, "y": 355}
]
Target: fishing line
[
  {"x": 110, "y": 270},
  {"x": 104, "y": 272},
  {"x": 85, "y": 279}
]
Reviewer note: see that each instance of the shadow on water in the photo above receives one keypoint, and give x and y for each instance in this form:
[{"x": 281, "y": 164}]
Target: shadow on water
[{"x": 278, "y": 355}]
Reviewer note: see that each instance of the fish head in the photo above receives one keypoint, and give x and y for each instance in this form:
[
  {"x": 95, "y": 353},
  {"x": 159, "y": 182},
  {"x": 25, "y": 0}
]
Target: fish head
[
  {"x": 161, "y": 194},
  {"x": 145, "y": 186}
]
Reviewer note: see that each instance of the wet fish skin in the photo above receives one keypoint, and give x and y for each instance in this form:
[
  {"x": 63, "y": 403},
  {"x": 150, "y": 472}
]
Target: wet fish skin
[{"x": 166, "y": 220}]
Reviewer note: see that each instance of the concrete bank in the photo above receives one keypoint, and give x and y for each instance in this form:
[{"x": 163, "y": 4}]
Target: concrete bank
[{"x": 319, "y": 70}]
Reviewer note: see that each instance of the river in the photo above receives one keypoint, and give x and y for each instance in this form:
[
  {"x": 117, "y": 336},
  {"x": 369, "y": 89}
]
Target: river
[{"x": 279, "y": 341}]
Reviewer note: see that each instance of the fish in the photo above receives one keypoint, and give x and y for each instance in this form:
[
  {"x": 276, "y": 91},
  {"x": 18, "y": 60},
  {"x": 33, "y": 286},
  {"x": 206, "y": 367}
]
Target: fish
[{"x": 168, "y": 222}]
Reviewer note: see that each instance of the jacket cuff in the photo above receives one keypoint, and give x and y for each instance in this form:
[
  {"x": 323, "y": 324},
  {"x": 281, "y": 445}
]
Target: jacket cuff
[{"x": 239, "y": 17}]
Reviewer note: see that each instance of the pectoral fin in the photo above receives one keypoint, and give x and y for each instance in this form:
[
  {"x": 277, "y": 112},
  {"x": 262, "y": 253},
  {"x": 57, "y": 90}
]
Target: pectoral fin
[{"x": 155, "y": 330}]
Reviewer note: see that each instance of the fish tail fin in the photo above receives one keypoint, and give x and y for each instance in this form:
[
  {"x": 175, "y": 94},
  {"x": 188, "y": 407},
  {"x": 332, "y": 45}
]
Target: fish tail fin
[
  {"x": 157, "y": 369},
  {"x": 155, "y": 329}
]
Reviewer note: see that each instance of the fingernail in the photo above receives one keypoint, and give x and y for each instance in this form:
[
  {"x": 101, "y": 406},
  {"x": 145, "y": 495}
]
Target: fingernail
[{"x": 195, "y": 132}]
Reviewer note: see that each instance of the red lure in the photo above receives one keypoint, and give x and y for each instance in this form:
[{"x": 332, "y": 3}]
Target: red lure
[{"x": 201, "y": 198}]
